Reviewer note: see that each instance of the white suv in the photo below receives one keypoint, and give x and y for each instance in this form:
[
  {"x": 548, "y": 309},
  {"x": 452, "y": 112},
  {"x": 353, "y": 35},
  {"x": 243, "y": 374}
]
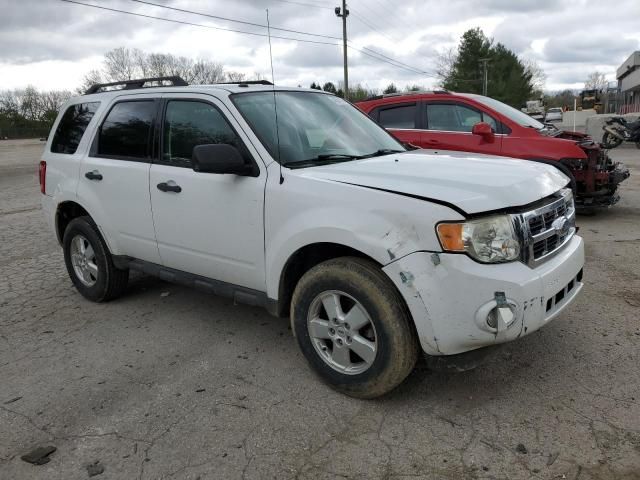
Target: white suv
[{"x": 295, "y": 200}]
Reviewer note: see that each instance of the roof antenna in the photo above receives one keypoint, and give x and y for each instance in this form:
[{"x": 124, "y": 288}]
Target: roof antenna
[{"x": 275, "y": 105}]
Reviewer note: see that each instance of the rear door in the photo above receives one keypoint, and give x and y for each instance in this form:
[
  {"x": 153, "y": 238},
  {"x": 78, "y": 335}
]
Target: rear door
[
  {"x": 448, "y": 126},
  {"x": 214, "y": 225},
  {"x": 114, "y": 177},
  {"x": 401, "y": 120}
]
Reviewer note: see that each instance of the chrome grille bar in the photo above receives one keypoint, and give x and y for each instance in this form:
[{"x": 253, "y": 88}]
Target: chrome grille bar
[{"x": 545, "y": 230}]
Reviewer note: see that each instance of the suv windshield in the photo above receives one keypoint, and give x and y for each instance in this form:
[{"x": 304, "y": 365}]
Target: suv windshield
[
  {"x": 517, "y": 116},
  {"x": 313, "y": 128}
]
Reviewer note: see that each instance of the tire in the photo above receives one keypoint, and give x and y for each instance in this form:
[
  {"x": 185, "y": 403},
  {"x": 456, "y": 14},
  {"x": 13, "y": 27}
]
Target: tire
[
  {"x": 368, "y": 299},
  {"x": 638, "y": 145},
  {"x": 89, "y": 262},
  {"x": 610, "y": 141}
]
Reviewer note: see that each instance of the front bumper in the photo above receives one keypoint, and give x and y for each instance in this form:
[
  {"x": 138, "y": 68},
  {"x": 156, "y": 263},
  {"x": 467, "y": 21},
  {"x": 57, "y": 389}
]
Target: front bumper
[{"x": 449, "y": 299}]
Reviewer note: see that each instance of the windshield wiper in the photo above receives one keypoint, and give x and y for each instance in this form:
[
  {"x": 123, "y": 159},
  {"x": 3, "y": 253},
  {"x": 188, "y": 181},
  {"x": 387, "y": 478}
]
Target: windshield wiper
[
  {"x": 322, "y": 159},
  {"x": 382, "y": 151}
]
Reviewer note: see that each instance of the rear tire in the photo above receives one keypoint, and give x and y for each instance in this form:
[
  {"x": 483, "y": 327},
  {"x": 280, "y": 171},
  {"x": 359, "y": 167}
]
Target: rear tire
[
  {"x": 89, "y": 262},
  {"x": 353, "y": 327},
  {"x": 610, "y": 141}
]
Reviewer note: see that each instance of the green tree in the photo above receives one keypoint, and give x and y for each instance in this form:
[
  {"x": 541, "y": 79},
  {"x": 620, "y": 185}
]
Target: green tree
[
  {"x": 329, "y": 87},
  {"x": 508, "y": 80},
  {"x": 315, "y": 86},
  {"x": 391, "y": 88}
]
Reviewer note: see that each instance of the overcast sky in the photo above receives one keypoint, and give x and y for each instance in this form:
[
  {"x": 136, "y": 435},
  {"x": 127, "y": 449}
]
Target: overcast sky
[{"x": 51, "y": 44}]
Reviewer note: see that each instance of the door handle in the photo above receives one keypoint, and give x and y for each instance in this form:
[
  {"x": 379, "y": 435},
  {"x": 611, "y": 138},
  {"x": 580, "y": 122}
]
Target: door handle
[
  {"x": 94, "y": 175},
  {"x": 169, "y": 187},
  {"x": 433, "y": 142}
]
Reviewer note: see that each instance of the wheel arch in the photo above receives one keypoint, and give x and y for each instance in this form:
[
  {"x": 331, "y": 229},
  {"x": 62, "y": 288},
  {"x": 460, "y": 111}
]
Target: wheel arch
[
  {"x": 301, "y": 261},
  {"x": 65, "y": 212}
]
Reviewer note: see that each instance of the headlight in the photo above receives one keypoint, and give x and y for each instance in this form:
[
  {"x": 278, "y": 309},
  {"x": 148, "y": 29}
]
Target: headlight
[{"x": 488, "y": 240}]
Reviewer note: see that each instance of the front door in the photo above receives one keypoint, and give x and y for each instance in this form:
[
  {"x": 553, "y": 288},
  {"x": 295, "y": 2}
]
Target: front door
[
  {"x": 449, "y": 125},
  {"x": 206, "y": 224},
  {"x": 114, "y": 178}
]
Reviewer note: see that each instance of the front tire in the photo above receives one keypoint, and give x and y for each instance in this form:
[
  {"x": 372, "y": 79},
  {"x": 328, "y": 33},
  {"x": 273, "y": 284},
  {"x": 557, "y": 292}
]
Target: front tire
[
  {"x": 89, "y": 262},
  {"x": 353, "y": 327},
  {"x": 610, "y": 141}
]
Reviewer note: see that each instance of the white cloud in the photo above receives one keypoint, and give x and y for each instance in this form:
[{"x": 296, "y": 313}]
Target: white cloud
[{"x": 53, "y": 44}]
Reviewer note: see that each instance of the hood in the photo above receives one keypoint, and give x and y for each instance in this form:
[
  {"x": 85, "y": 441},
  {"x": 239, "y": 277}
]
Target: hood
[{"x": 470, "y": 182}]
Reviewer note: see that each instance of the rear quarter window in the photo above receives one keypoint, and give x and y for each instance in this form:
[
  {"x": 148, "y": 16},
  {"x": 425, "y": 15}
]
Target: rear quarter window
[{"x": 72, "y": 126}]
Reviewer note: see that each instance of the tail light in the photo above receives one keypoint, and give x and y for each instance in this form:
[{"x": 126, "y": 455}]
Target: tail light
[{"x": 42, "y": 176}]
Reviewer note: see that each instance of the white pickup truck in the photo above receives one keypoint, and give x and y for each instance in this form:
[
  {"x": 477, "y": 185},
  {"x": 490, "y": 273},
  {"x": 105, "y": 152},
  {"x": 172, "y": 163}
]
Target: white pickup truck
[{"x": 294, "y": 200}]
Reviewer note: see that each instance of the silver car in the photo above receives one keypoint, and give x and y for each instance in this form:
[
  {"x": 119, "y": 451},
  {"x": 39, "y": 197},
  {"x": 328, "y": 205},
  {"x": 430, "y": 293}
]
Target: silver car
[{"x": 553, "y": 115}]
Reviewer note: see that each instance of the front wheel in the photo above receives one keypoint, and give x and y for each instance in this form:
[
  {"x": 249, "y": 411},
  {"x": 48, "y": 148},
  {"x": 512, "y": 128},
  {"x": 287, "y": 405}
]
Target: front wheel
[
  {"x": 89, "y": 262},
  {"x": 353, "y": 327},
  {"x": 638, "y": 145},
  {"x": 610, "y": 141}
]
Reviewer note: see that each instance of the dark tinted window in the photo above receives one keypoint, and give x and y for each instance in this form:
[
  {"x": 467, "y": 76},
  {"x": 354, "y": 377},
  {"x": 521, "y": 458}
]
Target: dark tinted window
[
  {"x": 72, "y": 126},
  {"x": 455, "y": 118},
  {"x": 189, "y": 123},
  {"x": 126, "y": 130},
  {"x": 403, "y": 116}
]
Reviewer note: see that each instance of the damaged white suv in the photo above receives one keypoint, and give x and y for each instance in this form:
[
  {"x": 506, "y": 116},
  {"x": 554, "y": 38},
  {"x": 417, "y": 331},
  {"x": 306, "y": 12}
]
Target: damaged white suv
[{"x": 294, "y": 200}]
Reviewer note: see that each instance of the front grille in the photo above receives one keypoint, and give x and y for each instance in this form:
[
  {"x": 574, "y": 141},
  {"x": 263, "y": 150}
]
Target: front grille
[{"x": 548, "y": 228}]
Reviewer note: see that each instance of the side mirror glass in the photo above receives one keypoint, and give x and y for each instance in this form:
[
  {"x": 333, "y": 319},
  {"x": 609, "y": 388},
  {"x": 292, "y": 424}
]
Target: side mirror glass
[
  {"x": 220, "y": 158},
  {"x": 484, "y": 130}
]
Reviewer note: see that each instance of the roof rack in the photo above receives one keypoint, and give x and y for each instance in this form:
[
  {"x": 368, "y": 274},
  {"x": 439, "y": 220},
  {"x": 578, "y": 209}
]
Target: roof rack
[
  {"x": 250, "y": 82},
  {"x": 138, "y": 83},
  {"x": 406, "y": 94}
]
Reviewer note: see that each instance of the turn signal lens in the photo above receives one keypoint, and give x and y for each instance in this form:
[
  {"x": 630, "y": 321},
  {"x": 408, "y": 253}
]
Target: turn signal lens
[{"x": 450, "y": 235}]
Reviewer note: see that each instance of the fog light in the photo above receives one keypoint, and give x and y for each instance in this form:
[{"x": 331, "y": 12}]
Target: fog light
[{"x": 501, "y": 318}]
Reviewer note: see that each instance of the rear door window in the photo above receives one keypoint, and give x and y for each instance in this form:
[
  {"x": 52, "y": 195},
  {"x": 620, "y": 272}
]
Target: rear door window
[
  {"x": 72, "y": 126},
  {"x": 126, "y": 132},
  {"x": 402, "y": 116}
]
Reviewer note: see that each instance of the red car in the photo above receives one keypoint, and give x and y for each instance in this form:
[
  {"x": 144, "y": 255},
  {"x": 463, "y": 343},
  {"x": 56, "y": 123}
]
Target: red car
[{"x": 442, "y": 120}]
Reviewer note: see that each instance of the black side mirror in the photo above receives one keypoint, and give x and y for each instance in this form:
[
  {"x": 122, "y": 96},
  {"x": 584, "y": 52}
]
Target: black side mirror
[{"x": 220, "y": 158}]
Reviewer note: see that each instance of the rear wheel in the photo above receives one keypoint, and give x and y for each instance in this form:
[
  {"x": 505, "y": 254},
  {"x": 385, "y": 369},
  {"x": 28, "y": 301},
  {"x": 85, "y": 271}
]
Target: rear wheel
[
  {"x": 353, "y": 327},
  {"x": 610, "y": 141},
  {"x": 89, "y": 262}
]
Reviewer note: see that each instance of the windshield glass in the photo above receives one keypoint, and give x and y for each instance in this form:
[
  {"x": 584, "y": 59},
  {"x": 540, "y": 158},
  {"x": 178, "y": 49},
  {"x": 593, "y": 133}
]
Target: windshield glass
[
  {"x": 517, "y": 116},
  {"x": 313, "y": 128}
]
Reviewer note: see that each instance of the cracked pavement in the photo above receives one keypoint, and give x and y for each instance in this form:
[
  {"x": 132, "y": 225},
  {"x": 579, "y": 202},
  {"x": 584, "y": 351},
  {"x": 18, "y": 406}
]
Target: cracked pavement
[{"x": 188, "y": 386}]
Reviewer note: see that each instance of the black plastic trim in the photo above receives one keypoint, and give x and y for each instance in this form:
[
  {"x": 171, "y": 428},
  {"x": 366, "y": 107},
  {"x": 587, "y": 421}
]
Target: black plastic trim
[
  {"x": 137, "y": 83},
  {"x": 239, "y": 294}
]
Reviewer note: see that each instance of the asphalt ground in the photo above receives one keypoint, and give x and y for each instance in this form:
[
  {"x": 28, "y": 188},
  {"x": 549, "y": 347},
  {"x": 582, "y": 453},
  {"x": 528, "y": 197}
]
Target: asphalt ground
[{"x": 166, "y": 382}]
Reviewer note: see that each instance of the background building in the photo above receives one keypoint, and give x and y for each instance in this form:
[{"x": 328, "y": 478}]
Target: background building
[{"x": 628, "y": 75}]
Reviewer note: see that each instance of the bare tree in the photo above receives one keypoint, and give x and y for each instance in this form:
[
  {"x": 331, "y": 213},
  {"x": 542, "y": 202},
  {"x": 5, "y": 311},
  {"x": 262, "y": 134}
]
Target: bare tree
[
  {"x": 538, "y": 75},
  {"x": 206, "y": 72},
  {"x": 445, "y": 62},
  {"x": 120, "y": 64},
  {"x": 596, "y": 81}
]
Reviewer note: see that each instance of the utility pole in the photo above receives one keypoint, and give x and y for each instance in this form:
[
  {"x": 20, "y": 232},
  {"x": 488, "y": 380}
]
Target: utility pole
[
  {"x": 485, "y": 76},
  {"x": 344, "y": 13}
]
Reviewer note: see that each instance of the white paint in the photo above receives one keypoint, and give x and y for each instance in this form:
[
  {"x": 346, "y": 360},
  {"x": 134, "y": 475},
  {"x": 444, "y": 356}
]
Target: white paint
[{"x": 243, "y": 230}]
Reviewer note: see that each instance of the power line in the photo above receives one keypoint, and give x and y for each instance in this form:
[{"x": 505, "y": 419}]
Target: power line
[
  {"x": 192, "y": 12},
  {"x": 195, "y": 24},
  {"x": 192, "y": 24},
  {"x": 305, "y": 4},
  {"x": 365, "y": 22}
]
